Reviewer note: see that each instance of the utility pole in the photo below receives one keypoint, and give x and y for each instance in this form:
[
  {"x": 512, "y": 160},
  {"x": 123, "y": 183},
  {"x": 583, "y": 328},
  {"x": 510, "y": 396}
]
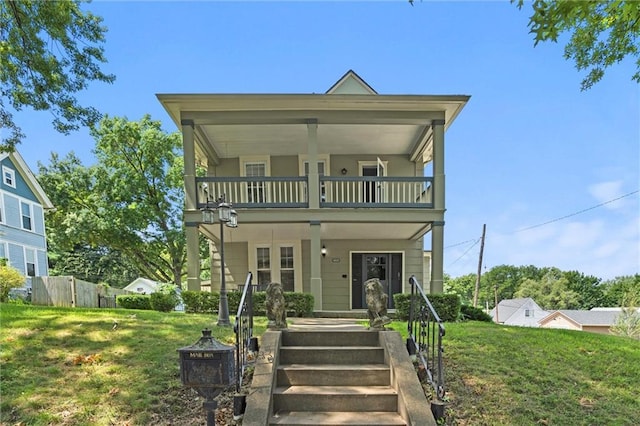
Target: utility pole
[{"x": 475, "y": 293}]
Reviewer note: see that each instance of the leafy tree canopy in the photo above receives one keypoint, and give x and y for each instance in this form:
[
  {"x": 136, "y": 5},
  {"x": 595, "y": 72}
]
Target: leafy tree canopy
[
  {"x": 130, "y": 202},
  {"x": 49, "y": 51},
  {"x": 603, "y": 32}
]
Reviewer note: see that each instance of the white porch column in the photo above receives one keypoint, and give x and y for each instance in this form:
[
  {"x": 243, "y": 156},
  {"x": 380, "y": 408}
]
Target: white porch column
[
  {"x": 193, "y": 252},
  {"x": 438, "y": 164},
  {"x": 312, "y": 151},
  {"x": 316, "y": 272},
  {"x": 437, "y": 258},
  {"x": 437, "y": 228}
]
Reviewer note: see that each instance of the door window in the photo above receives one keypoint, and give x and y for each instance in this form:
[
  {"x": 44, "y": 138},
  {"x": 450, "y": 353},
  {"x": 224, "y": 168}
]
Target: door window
[{"x": 255, "y": 190}]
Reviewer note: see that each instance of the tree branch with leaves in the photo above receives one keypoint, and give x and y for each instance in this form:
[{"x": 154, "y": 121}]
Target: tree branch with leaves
[{"x": 49, "y": 51}]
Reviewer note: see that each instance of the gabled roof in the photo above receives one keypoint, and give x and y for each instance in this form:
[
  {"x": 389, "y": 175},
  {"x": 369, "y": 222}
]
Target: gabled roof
[
  {"x": 154, "y": 285},
  {"x": 585, "y": 318},
  {"x": 509, "y": 307},
  {"x": 29, "y": 178},
  {"x": 351, "y": 84}
]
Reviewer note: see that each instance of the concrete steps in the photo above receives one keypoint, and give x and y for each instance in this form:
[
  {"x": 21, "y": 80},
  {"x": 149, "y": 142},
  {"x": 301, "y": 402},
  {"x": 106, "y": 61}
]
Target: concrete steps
[{"x": 333, "y": 378}]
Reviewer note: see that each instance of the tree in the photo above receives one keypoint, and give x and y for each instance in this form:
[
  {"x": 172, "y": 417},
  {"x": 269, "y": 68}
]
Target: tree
[
  {"x": 462, "y": 286},
  {"x": 49, "y": 51},
  {"x": 621, "y": 289},
  {"x": 603, "y": 32},
  {"x": 94, "y": 264},
  {"x": 9, "y": 278},
  {"x": 551, "y": 292},
  {"x": 130, "y": 202},
  {"x": 588, "y": 288}
]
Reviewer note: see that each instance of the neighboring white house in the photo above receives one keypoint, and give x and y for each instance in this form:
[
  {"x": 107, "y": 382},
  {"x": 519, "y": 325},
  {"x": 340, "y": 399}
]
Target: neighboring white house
[
  {"x": 22, "y": 228},
  {"x": 523, "y": 312},
  {"x": 143, "y": 286},
  {"x": 146, "y": 286}
]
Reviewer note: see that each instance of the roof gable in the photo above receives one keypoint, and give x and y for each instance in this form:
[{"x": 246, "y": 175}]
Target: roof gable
[
  {"x": 29, "y": 178},
  {"x": 351, "y": 84}
]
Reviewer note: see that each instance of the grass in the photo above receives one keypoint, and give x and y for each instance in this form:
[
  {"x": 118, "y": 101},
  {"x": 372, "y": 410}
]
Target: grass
[{"x": 70, "y": 366}]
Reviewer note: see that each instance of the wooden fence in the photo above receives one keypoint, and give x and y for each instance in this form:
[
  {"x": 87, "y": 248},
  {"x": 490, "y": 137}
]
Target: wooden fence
[{"x": 71, "y": 292}]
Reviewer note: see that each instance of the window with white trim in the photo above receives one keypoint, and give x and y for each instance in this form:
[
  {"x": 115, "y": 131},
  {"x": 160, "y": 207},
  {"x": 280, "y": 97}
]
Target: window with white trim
[
  {"x": 263, "y": 259},
  {"x": 9, "y": 176},
  {"x": 25, "y": 209},
  {"x": 30, "y": 262},
  {"x": 287, "y": 271}
]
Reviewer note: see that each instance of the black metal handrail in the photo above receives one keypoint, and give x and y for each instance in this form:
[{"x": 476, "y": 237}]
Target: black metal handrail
[
  {"x": 243, "y": 328},
  {"x": 426, "y": 331}
]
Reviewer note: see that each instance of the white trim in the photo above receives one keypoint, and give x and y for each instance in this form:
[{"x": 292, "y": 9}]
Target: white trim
[
  {"x": 373, "y": 163},
  {"x": 12, "y": 176},
  {"x": 31, "y": 218},
  {"x": 322, "y": 158},
  {"x": 274, "y": 259},
  {"x": 30, "y": 179},
  {"x": 21, "y": 200},
  {"x": 255, "y": 159}
]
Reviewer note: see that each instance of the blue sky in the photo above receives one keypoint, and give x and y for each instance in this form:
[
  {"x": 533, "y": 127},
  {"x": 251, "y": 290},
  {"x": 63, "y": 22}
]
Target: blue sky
[{"x": 529, "y": 147}]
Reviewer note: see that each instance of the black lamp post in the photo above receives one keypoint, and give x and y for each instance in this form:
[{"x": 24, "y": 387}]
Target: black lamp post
[{"x": 229, "y": 217}]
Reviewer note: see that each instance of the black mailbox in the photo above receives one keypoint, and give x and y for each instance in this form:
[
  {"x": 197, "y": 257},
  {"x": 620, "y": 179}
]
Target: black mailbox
[{"x": 208, "y": 367}]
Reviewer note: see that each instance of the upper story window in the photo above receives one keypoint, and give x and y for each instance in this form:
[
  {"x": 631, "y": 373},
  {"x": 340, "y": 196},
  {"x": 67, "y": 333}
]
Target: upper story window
[
  {"x": 25, "y": 209},
  {"x": 256, "y": 166},
  {"x": 9, "y": 176}
]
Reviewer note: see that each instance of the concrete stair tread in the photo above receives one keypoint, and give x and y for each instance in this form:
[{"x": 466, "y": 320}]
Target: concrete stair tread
[
  {"x": 330, "y": 348},
  {"x": 335, "y": 390},
  {"x": 353, "y": 418},
  {"x": 345, "y": 367}
]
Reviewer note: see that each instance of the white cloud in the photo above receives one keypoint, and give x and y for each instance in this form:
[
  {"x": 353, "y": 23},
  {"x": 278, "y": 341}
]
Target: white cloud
[{"x": 606, "y": 191}]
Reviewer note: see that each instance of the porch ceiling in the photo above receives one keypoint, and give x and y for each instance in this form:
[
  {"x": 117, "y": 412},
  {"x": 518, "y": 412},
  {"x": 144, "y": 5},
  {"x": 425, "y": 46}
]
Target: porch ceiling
[
  {"x": 291, "y": 139},
  {"x": 232, "y": 125},
  {"x": 328, "y": 231}
]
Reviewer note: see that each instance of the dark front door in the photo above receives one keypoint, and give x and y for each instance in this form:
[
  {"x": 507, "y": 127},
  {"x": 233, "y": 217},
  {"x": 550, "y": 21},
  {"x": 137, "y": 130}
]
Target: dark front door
[{"x": 387, "y": 267}]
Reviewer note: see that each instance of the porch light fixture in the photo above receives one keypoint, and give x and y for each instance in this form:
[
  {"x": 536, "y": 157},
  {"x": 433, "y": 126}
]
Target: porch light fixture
[
  {"x": 323, "y": 251},
  {"x": 229, "y": 217}
]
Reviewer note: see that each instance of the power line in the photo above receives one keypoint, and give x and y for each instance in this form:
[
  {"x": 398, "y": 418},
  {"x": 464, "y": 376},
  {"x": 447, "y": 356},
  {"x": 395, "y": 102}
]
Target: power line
[
  {"x": 576, "y": 213},
  {"x": 466, "y": 251}
]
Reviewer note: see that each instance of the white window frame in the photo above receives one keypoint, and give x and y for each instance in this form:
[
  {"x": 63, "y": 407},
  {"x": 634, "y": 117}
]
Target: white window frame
[
  {"x": 2, "y": 211},
  {"x": 31, "y": 218},
  {"x": 255, "y": 159},
  {"x": 26, "y": 262},
  {"x": 12, "y": 176},
  {"x": 274, "y": 259}
]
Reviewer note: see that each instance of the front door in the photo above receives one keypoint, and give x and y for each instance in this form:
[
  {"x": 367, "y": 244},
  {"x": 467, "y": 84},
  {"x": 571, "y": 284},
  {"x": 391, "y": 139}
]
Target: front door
[{"x": 387, "y": 267}]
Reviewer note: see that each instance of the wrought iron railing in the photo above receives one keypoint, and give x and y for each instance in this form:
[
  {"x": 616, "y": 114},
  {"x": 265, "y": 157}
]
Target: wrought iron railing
[
  {"x": 243, "y": 328},
  {"x": 426, "y": 331}
]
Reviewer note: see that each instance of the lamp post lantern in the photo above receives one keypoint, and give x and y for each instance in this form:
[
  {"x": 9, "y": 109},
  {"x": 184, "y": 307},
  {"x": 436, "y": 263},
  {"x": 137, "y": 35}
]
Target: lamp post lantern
[{"x": 229, "y": 217}]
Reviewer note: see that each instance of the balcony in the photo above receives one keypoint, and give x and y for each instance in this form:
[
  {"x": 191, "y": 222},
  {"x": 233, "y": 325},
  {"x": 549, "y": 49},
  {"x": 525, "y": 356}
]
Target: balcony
[{"x": 335, "y": 192}]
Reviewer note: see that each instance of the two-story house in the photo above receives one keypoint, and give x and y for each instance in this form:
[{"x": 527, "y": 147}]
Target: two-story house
[
  {"x": 22, "y": 206},
  {"x": 331, "y": 189}
]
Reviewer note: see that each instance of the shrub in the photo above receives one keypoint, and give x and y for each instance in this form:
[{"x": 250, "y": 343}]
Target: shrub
[
  {"x": 200, "y": 302},
  {"x": 134, "y": 301},
  {"x": 10, "y": 277},
  {"x": 163, "y": 302},
  {"x": 468, "y": 312},
  {"x": 299, "y": 304},
  {"x": 447, "y": 306}
]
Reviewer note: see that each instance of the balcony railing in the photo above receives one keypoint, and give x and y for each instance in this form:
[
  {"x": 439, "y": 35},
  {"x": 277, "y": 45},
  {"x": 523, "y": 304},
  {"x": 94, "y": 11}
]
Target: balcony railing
[{"x": 292, "y": 192}]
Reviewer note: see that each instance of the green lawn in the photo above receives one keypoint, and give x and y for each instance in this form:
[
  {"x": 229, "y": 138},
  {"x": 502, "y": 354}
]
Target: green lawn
[{"x": 68, "y": 366}]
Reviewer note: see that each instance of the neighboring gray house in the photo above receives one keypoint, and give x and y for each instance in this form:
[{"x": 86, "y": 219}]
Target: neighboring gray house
[
  {"x": 22, "y": 206},
  {"x": 524, "y": 312}
]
